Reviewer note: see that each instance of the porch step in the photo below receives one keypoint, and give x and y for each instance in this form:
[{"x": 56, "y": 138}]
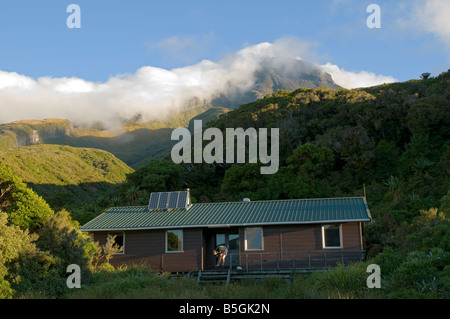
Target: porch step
[
  {"x": 213, "y": 276},
  {"x": 226, "y": 276},
  {"x": 261, "y": 274}
]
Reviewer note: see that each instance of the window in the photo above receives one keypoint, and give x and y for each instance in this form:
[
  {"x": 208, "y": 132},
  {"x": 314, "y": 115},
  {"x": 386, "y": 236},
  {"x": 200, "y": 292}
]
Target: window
[
  {"x": 254, "y": 238},
  {"x": 118, "y": 241},
  {"x": 229, "y": 240},
  {"x": 233, "y": 242},
  {"x": 331, "y": 236},
  {"x": 174, "y": 241}
]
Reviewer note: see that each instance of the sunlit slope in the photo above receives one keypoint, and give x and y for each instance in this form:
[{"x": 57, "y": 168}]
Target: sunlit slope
[{"x": 64, "y": 174}]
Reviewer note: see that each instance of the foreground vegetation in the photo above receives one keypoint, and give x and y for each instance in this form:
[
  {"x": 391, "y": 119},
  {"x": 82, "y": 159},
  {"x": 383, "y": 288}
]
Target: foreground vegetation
[
  {"x": 390, "y": 143},
  {"x": 338, "y": 283}
]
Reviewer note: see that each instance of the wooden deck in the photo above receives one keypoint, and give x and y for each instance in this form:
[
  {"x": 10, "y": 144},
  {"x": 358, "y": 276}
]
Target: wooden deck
[
  {"x": 260, "y": 265},
  {"x": 305, "y": 260}
]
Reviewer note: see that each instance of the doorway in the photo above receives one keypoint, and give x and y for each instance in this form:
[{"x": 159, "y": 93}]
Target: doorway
[{"x": 228, "y": 237}]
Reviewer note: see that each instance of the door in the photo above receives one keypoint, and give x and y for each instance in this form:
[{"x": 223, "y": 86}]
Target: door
[{"x": 231, "y": 240}]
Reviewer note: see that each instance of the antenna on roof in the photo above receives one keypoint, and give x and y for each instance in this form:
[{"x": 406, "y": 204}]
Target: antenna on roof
[{"x": 364, "y": 187}]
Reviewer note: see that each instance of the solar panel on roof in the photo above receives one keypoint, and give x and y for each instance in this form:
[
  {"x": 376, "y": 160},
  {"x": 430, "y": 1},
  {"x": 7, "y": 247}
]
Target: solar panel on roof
[
  {"x": 153, "y": 203},
  {"x": 173, "y": 200},
  {"x": 182, "y": 199},
  {"x": 163, "y": 200},
  {"x": 166, "y": 200}
]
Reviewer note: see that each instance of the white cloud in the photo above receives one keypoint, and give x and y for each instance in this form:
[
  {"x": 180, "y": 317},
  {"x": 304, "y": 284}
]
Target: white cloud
[
  {"x": 150, "y": 91},
  {"x": 434, "y": 17},
  {"x": 14, "y": 81},
  {"x": 351, "y": 80}
]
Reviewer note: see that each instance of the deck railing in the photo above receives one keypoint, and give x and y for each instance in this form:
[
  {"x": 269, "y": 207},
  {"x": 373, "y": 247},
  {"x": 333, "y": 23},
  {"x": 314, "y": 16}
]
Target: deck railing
[{"x": 307, "y": 260}]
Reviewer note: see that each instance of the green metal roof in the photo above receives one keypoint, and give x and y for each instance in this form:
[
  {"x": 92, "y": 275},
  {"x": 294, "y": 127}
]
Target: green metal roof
[{"x": 295, "y": 211}]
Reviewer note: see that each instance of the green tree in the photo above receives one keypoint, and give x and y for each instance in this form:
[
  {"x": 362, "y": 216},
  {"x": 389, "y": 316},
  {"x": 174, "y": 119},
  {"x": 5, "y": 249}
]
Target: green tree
[
  {"x": 61, "y": 237},
  {"x": 13, "y": 243},
  {"x": 385, "y": 162},
  {"x": 425, "y": 75},
  {"x": 430, "y": 229},
  {"x": 24, "y": 207},
  {"x": 242, "y": 179},
  {"x": 163, "y": 175},
  {"x": 43, "y": 269},
  {"x": 104, "y": 253},
  {"x": 395, "y": 187},
  {"x": 445, "y": 204},
  {"x": 132, "y": 193},
  {"x": 312, "y": 160}
]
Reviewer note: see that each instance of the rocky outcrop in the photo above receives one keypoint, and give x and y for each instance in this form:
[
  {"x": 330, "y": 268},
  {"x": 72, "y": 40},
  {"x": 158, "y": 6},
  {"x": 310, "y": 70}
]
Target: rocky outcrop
[{"x": 34, "y": 132}]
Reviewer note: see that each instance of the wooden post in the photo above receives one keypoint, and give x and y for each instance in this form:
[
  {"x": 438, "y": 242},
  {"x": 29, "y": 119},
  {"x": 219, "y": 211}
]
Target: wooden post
[
  {"x": 309, "y": 261},
  {"x": 246, "y": 262},
  {"x": 278, "y": 260},
  {"x": 202, "y": 241},
  {"x": 293, "y": 260},
  {"x": 202, "y": 258},
  {"x": 281, "y": 245},
  {"x": 261, "y": 260}
]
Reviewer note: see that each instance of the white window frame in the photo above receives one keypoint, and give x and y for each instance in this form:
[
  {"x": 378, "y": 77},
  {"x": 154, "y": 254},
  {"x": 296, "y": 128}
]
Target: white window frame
[
  {"x": 123, "y": 242},
  {"x": 246, "y": 242},
  {"x": 340, "y": 237},
  {"x": 182, "y": 242}
]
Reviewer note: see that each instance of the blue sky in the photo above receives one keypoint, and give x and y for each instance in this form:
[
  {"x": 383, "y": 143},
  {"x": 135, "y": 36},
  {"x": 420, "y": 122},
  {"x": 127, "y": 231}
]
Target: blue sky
[
  {"x": 117, "y": 36},
  {"x": 121, "y": 37}
]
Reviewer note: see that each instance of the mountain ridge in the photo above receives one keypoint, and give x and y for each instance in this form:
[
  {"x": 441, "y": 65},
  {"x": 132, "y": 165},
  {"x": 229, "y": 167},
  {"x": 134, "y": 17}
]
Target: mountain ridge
[{"x": 138, "y": 142}]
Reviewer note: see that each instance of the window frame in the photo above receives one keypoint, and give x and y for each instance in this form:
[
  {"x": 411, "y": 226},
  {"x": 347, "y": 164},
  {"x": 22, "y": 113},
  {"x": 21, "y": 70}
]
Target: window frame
[
  {"x": 167, "y": 243},
  {"x": 340, "y": 237},
  {"x": 246, "y": 239},
  {"x": 118, "y": 233}
]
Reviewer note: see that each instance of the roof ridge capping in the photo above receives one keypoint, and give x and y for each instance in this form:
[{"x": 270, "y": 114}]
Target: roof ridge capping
[{"x": 285, "y": 200}]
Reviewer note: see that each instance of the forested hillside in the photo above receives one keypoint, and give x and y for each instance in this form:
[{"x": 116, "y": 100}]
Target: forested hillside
[{"x": 65, "y": 176}]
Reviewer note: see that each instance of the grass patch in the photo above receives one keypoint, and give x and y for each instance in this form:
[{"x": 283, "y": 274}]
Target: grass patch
[{"x": 138, "y": 282}]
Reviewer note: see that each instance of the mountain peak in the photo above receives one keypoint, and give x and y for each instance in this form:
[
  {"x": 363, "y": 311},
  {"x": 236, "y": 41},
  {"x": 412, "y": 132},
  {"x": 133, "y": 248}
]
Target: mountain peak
[{"x": 277, "y": 73}]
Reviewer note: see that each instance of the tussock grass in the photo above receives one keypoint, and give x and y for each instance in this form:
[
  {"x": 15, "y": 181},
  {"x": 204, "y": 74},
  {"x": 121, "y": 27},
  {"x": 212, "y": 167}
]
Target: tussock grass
[{"x": 138, "y": 282}]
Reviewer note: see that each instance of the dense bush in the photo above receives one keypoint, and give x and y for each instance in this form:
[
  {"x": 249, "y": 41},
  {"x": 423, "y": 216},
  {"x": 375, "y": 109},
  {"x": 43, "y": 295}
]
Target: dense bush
[{"x": 24, "y": 207}]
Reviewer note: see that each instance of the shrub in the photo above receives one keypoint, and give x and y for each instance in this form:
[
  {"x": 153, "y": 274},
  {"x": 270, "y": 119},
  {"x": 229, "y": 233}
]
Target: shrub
[
  {"x": 422, "y": 272},
  {"x": 388, "y": 260},
  {"x": 24, "y": 207},
  {"x": 342, "y": 282}
]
